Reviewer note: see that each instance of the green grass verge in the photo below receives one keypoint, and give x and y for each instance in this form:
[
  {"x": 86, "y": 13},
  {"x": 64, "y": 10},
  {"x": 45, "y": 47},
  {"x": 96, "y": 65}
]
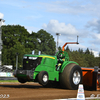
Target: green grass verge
[{"x": 8, "y": 81}]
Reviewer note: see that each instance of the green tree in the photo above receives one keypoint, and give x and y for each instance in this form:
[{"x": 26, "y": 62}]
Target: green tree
[
  {"x": 99, "y": 54},
  {"x": 80, "y": 50},
  {"x": 87, "y": 51},
  {"x": 59, "y": 48},
  {"x": 67, "y": 48},
  {"x": 32, "y": 41},
  {"x": 46, "y": 43},
  {"x": 78, "y": 57},
  {"x": 15, "y": 38},
  {"x": 90, "y": 59}
]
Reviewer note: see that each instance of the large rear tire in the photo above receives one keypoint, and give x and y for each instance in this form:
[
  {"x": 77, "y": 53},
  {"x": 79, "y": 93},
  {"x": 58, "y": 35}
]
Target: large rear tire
[{"x": 71, "y": 77}]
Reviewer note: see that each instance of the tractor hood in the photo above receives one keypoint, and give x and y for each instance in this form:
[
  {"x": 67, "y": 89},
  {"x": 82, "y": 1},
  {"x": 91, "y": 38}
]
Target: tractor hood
[{"x": 32, "y": 61}]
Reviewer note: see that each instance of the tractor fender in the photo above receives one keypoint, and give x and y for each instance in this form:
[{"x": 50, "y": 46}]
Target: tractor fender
[{"x": 65, "y": 63}]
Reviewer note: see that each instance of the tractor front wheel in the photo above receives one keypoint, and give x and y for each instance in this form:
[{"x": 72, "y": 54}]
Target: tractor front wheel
[
  {"x": 21, "y": 80},
  {"x": 43, "y": 78},
  {"x": 71, "y": 76}
]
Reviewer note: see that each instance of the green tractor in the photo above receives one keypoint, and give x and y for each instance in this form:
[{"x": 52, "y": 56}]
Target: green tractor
[{"x": 46, "y": 69}]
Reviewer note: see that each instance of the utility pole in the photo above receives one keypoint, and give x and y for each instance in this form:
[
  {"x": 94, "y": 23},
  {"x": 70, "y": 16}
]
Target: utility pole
[
  {"x": 17, "y": 60},
  {"x": 58, "y": 34},
  {"x": 1, "y": 21}
]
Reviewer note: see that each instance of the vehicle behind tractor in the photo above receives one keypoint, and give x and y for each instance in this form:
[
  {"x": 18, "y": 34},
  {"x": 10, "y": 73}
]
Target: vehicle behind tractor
[{"x": 47, "y": 69}]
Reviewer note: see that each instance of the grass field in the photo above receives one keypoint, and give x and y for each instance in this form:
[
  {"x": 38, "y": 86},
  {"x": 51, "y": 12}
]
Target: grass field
[{"x": 8, "y": 81}]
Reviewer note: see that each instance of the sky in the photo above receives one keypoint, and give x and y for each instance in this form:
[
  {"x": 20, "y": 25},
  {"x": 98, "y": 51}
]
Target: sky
[{"x": 70, "y": 18}]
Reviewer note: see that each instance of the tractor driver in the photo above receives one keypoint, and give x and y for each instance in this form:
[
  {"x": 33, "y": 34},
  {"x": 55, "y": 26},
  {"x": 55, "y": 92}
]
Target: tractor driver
[{"x": 60, "y": 61}]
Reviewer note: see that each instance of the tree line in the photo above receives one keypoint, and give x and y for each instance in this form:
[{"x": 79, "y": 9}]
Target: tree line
[
  {"x": 83, "y": 58},
  {"x": 17, "y": 40}
]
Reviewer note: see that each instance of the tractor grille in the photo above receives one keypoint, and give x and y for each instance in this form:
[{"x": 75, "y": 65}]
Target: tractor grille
[{"x": 31, "y": 64}]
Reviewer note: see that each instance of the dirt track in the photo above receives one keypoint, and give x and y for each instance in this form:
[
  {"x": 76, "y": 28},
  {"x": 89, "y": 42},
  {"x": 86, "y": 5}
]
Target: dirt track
[{"x": 34, "y": 91}]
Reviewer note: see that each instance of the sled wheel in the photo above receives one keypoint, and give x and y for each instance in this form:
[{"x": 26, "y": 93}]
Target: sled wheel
[
  {"x": 43, "y": 78},
  {"x": 71, "y": 77},
  {"x": 21, "y": 80}
]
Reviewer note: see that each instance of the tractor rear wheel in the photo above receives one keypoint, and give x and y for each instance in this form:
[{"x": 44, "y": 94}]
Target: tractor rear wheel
[
  {"x": 71, "y": 77},
  {"x": 43, "y": 78}
]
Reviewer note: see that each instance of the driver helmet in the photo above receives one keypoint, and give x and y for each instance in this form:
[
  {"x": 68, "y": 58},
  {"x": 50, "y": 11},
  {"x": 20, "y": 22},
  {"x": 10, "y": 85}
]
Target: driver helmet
[{"x": 62, "y": 55}]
